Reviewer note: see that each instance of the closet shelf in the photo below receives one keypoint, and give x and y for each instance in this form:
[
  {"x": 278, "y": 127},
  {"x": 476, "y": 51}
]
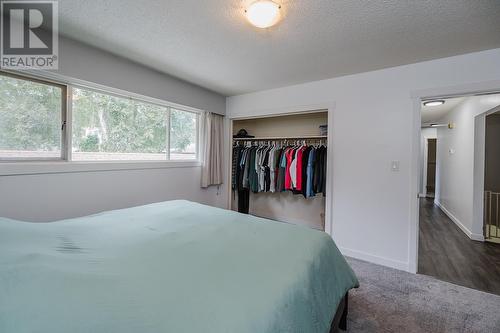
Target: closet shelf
[{"x": 270, "y": 138}]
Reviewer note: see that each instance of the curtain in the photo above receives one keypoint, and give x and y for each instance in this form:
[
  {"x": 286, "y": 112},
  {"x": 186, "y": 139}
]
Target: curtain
[{"x": 212, "y": 149}]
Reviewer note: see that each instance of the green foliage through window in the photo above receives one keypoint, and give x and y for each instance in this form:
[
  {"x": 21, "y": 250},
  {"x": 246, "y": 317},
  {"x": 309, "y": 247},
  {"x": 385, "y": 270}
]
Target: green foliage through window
[
  {"x": 30, "y": 118},
  {"x": 104, "y": 123},
  {"x": 182, "y": 132},
  {"x": 103, "y": 126}
]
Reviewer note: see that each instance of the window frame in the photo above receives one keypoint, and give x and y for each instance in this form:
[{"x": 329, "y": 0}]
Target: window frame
[
  {"x": 63, "y": 124},
  {"x": 65, "y": 163}
]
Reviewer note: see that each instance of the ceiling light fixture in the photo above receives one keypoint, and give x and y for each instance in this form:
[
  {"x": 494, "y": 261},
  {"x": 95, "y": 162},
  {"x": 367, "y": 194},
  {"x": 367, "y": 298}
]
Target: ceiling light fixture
[
  {"x": 450, "y": 125},
  {"x": 263, "y": 13},
  {"x": 434, "y": 102}
]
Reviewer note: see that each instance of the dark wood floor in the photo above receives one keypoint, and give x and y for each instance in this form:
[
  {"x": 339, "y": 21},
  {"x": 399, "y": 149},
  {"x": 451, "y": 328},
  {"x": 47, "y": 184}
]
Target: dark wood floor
[{"x": 446, "y": 253}]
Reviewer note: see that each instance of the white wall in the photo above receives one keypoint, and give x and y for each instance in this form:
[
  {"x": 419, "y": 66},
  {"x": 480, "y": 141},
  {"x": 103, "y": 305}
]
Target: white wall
[
  {"x": 84, "y": 62},
  {"x": 47, "y": 197},
  {"x": 373, "y": 124},
  {"x": 455, "y": 162},
  {"x": 425, "y": 133},
  {"x": 51, "y": 197}
]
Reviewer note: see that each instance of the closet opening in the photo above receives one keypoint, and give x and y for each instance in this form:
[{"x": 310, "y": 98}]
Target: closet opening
[{"x": 279, "y": 167}]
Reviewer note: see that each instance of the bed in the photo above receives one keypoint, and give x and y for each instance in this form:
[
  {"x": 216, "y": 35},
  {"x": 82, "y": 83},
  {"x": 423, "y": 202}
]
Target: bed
[{"x": 174, "y": 266}]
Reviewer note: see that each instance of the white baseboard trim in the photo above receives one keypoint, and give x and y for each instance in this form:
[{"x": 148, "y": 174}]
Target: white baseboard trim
[
  {"x": 403, "y": 266},
  {"x": 465, "y": 230},
  {"x": 477, "y": 237}
]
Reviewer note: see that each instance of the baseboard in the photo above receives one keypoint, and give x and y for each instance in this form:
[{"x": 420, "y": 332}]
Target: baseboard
[
  {"x": 400, "y": 265},
  {"x": 465, "y": 230},
  {"x": 477, "y": 237}
]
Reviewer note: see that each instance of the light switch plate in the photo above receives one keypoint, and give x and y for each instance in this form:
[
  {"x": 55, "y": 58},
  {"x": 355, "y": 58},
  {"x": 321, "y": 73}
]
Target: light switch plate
[{"x": 395, "y": 166}]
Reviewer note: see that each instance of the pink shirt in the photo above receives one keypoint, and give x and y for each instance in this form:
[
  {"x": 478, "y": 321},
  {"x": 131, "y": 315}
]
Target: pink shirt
[
  {"x": 300, "y": 153},
  {"x": 288, "y": 179}
]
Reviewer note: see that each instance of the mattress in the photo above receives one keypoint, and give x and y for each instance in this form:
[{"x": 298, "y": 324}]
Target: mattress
[{"x": 173, "y": 266}]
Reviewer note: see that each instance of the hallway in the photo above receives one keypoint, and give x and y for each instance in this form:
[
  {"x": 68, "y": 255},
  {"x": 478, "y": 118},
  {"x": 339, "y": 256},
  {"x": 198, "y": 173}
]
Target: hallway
[{"x": 446, "y": 253}]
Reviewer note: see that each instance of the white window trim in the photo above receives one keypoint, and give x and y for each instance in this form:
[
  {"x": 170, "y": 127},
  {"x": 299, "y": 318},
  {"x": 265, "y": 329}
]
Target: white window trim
[
  {"x": 66, "y": 164},
  {"x": 41, "y": 167}
]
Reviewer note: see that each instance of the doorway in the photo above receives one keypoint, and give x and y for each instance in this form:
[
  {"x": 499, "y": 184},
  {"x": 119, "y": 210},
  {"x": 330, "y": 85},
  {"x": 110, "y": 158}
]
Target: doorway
[
  {"x": 451, "y": 236},
  {"x": 430, "y": 181}
]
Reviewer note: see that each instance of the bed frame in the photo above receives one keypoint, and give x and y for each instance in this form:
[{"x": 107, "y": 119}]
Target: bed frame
[{"x": 340, "y": 319}]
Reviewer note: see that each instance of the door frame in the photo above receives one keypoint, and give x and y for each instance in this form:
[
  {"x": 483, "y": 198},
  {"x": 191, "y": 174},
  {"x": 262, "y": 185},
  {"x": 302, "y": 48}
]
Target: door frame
[
  {"x": 479, "y": 168},
  {"x": 417, "y": 96},
  {"x": 424, "y": 167},
  {"x": 425, "y": 163}
]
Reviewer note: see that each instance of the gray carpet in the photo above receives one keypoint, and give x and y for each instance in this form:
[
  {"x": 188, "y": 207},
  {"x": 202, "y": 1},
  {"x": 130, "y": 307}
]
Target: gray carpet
[{"x": 389, "y": 300}]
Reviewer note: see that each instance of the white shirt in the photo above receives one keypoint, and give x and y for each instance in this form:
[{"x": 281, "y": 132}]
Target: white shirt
[
  {"x": 272, "y": 187},
  {"x": 293, "y": 169}
]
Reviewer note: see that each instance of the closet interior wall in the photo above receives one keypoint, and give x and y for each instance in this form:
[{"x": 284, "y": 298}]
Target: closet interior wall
[{"x": 285, "y": 206}]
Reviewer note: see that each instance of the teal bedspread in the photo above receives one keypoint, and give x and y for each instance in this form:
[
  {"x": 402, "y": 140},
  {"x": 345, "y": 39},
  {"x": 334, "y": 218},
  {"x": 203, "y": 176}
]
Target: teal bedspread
[{"x": 174, "y": 266}]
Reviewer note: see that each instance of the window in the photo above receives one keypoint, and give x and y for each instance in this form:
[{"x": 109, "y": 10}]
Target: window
[
  {"x": 183, "y": 138},
  {"x": 31, "y": 119},
  {"x": 101, "y": 126},
  {"x": 111, "y": 128}
]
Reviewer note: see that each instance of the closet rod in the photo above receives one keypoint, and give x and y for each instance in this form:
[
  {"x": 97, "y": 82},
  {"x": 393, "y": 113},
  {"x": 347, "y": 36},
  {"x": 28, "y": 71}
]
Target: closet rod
[{"x": 270, "y": 138}]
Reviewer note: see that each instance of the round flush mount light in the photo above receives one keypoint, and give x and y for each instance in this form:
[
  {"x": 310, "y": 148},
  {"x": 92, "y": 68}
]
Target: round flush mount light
[
  {"x": 434, "y": 102},
  {"x": 263, "y": 13}
]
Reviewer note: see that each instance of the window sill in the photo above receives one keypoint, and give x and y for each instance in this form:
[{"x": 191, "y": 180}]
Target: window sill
[{"x": 51, "y": 167}]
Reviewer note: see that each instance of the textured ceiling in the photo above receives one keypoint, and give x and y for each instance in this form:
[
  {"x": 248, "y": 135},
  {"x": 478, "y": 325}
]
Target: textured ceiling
[
  {"x": 433, "y": 114},
  {"x": 211, "y": 44}
]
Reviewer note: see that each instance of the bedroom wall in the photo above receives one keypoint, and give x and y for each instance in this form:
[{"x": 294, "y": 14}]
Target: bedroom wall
[
  {"x": 87, "y": 63},
  {"x": 46, "y": 197},
  {"x": 57, "y": 196},
  {"x": 455, "y": 162},
  {"x": 373, "y": 124}
]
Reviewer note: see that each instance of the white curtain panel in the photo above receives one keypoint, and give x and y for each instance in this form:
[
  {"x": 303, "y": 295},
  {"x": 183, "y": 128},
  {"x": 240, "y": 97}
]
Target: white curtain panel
[{"x": 212, "y": 149}]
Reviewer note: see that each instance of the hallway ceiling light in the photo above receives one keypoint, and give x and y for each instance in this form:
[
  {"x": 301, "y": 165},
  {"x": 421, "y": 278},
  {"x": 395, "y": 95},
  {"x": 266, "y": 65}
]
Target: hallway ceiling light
[
  {"x": 434, "y": 102},
  {"x": 450, "y": 125},
  {"x": 263, "y": 13}
]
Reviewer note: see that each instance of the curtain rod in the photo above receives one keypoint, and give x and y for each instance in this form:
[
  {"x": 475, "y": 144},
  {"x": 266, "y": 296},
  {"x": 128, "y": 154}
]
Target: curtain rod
[{"x": 270, "y": 138}]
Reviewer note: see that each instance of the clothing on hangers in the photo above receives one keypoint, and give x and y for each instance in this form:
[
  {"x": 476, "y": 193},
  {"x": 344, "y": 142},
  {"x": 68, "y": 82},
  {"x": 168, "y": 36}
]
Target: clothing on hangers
[
  {"x": 274, "y": 167},
  {"x": 253, "y": 180},
  {"x": 310, "y": 167},
  {"x": 305, "y": 160},
  {"x": 288, "y": 178},
  {"x": 280, "y": 183},
  {"x": 243, "y": 194}
]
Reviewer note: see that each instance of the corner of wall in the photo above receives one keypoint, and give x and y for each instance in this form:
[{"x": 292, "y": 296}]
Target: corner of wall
[{"x": 463, "y": 228}]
